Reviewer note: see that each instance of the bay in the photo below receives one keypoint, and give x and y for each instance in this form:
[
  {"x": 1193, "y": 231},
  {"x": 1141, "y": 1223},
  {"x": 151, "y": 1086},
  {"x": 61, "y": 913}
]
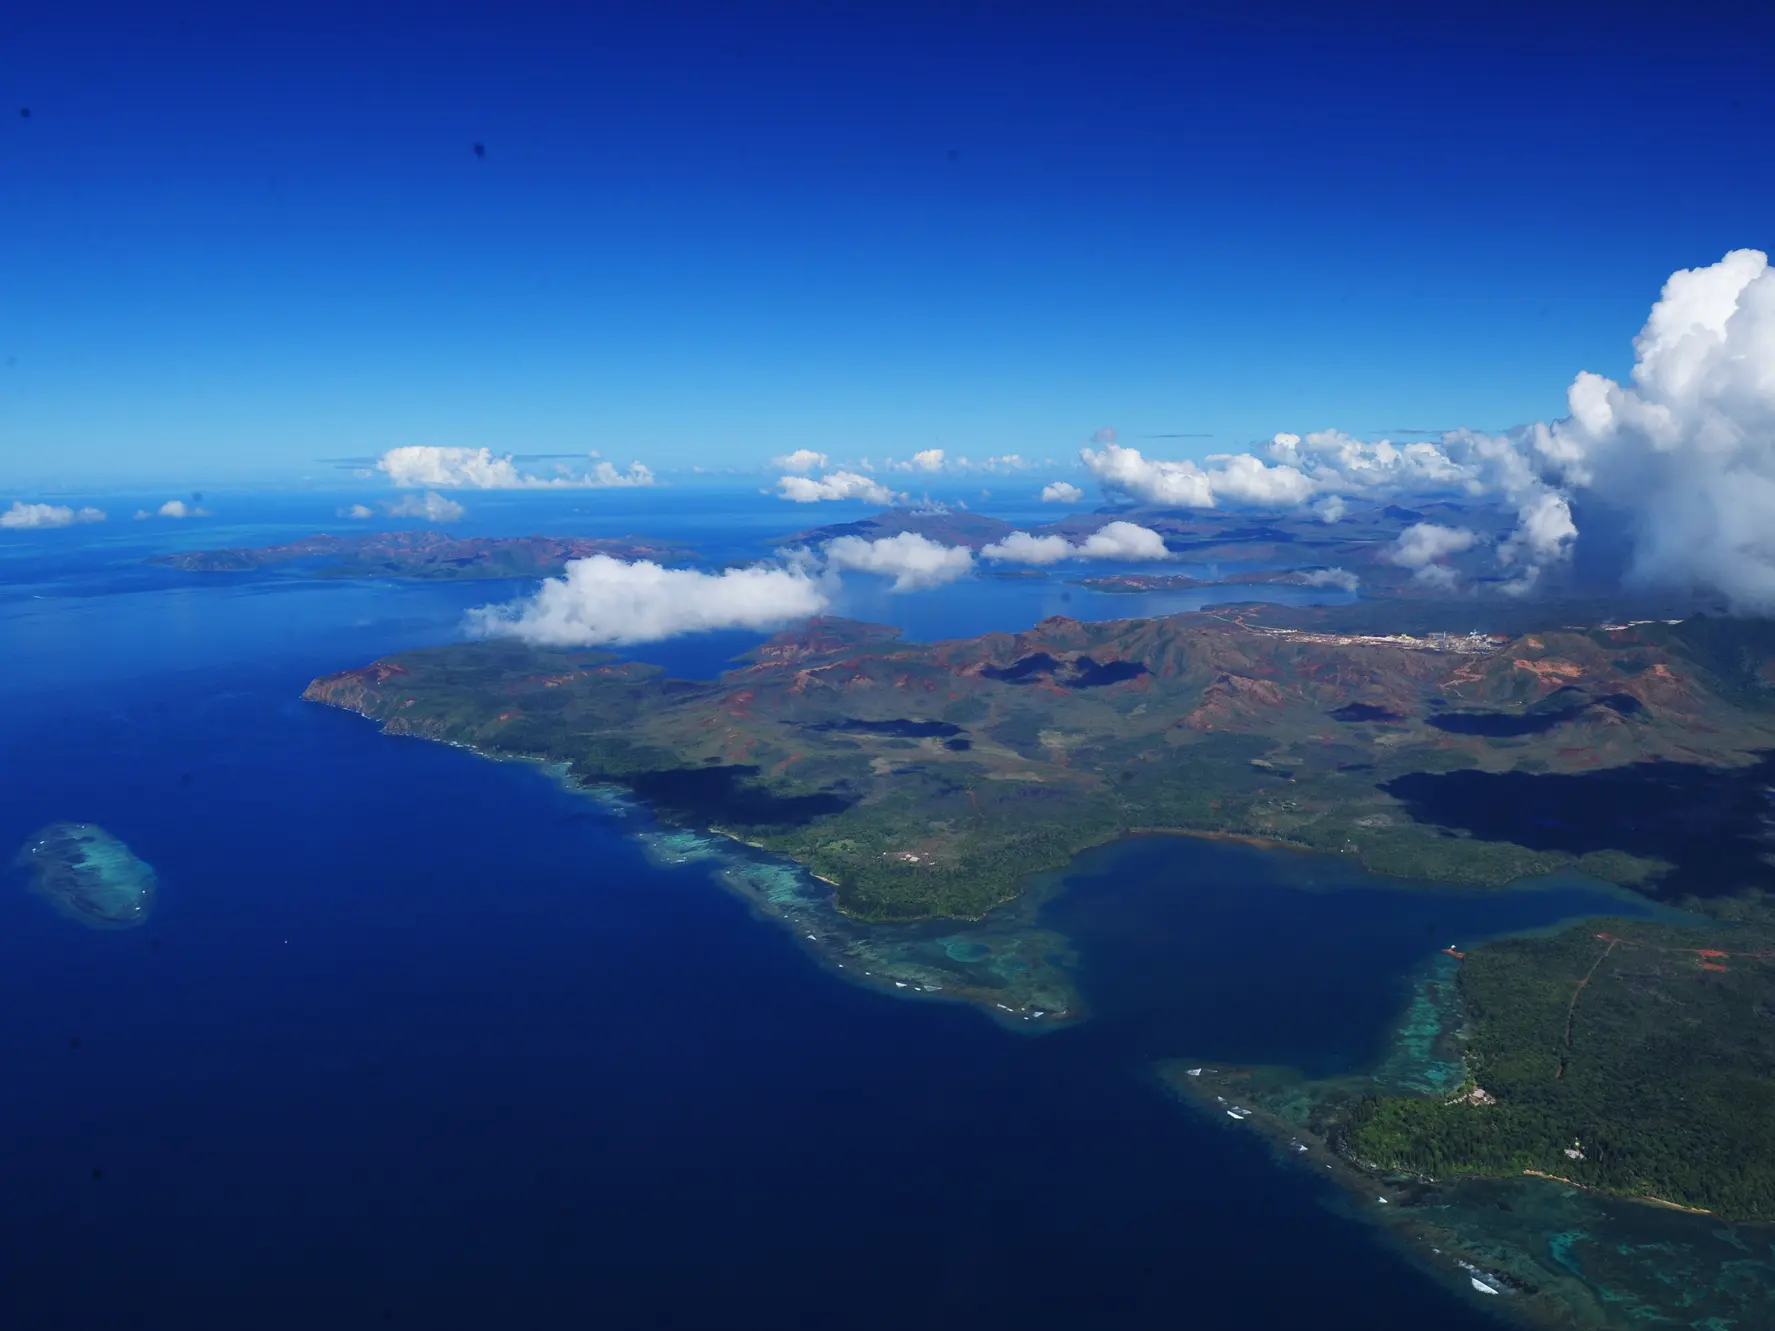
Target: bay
[{"x": 418, "y": 1039}]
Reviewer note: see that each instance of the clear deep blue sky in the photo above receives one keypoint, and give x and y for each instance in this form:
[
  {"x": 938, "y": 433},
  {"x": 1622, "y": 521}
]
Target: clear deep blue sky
[{"x": 230, "y": 246}]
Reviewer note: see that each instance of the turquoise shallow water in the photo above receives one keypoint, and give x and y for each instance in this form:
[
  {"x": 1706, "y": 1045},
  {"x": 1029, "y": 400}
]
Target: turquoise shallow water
[{"x": 89, "y": 876}]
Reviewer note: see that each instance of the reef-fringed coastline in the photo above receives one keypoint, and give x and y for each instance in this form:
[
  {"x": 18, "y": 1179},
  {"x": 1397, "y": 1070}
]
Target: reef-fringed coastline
[{"x": 1536, "y": 1250}]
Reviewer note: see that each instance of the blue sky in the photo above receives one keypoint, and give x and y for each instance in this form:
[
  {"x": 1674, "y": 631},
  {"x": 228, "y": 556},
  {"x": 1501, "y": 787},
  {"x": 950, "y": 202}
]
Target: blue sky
[{"x": 233, "y": 246}]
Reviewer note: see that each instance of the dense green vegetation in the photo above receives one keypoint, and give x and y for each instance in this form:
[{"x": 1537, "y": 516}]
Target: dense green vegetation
[{"x": 1666, "y": 1088}]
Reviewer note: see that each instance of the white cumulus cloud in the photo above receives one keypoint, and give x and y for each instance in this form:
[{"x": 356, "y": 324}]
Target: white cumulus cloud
[
  {"x": 1124, "y": 540},
  {"x": 1440, "y": 577},
  {"x": 431, "y": 466},
  {"x": 601, "y": 600},
  {"x": 926, "y": 459},
  {"x": 1179, "y": 484},
  {"x": 356, "y": 512},
  {"x": 911, "y": 560},
  {"x": 605, "y": 476},
  {"x": 1115, "y": 540},
  {"x": 834, "y": 485},
  {"x": 1686, "y": 449},
  {"x": 1338, "y": 463},
  {"x": 174, "y": 508},
  {"x": 1341, "y": 578},
  {"x": 1244, "y": 479},
  {"x": 1681, "y": 453},
  {"x": 1426, "y": 543},
  {"x": 431, "y": 506},
  {"x": 1238, "y": 478},
  {"x": 801, "y": 461},
  {"x": 23, "y": 516},
  {"x": 1061, "y": 492}
]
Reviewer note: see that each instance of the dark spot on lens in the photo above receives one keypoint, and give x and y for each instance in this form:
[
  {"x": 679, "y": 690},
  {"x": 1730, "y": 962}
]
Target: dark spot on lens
[
  {"x": 73, "y": 1042},
  {"x": 97, "y": 1173}
]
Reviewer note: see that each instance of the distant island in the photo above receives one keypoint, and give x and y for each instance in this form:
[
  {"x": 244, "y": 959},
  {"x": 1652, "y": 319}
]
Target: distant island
[
  {"x": 936, "y": 522},
  {"x": 1134, "y": 584},
  {"x": 89, "y": 875},
  {"x": 931, "y": 779},
  {"x": 424, "y": 555},
  {"x": 1299, "y": 549}
]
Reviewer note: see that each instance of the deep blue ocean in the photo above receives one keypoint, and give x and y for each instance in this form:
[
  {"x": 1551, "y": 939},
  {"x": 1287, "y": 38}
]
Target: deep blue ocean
[{"x": 419, "y": 1040}]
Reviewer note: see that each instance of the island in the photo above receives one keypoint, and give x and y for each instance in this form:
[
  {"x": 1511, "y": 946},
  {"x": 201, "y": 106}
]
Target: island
[
  {"x": 915, "y": 781},
  {"x": 935, "y": 522},
  {"x": 1135, "y": 584},
  {"x": 424, "y": 555},
  {"x": 1220, "y": 533},
  {"x": 89, "y": 875},
  {"x": 1300, "y": 548},
  {"x": 928, "y": 779}
]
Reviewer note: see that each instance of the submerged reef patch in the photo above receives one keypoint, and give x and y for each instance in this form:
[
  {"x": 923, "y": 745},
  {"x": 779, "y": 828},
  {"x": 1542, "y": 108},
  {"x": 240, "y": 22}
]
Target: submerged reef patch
[{"x": 89, "y": 875}]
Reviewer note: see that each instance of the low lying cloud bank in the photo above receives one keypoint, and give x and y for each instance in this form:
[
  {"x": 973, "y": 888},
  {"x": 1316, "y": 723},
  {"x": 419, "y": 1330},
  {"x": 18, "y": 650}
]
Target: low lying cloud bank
[
  {"x": 605, "y": 601},
  {"x": 434, "y": 467},
  {"x": 1116, "y": 540},
  {"x": 833, "y": 486},
  {"x": 913, "y": 561},
  {"x": 1682, "y": 455},
  {"x": 23, "y": 517},
  {"x": 431, "y": 506}
]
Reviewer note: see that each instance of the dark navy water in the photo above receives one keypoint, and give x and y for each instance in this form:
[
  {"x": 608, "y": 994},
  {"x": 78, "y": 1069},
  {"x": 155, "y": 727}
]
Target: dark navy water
[{"x": 415, "y": 1039}]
